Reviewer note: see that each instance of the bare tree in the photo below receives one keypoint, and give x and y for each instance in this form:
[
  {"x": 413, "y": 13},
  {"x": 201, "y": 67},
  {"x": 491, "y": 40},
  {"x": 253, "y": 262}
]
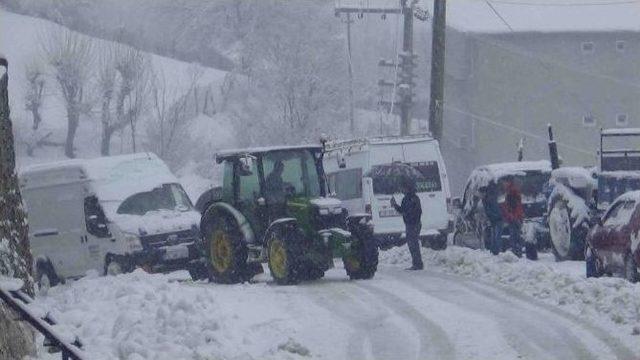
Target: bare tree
[
  {"x": 34, "y": 73},
  {"x": 168, "y": 129},
  {"x": 133, "y": 67},
  {"x": 15, "y": 256},
  {"x": 71, "y": 56},
  {"x": 123, "y": 81}
]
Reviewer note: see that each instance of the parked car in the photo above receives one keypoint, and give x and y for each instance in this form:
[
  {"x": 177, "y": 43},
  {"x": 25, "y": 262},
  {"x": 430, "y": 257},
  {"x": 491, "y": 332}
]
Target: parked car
[
  {"x": 613, "y": 244},
  {"x": 352, "y": 176},
  {"x": 532, "y": 177},
  {"x": 108, "y": 214}
]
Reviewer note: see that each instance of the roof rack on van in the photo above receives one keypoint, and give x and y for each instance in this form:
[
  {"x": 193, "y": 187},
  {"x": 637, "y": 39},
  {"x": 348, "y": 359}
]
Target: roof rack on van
[{"x": 360, "y": 142}]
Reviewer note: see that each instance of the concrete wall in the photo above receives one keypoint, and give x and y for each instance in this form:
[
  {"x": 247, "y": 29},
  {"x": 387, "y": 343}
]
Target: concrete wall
[{"x": 523, "y": 81}]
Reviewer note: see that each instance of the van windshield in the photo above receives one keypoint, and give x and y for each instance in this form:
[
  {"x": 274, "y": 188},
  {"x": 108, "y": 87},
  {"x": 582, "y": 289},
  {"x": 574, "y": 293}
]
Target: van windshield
[{"x": 165, "y": 197}]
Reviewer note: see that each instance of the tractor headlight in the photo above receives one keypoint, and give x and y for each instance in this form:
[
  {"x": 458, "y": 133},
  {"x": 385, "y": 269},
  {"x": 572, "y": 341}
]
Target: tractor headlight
[
  {"x": 324, "y": 211},
  {"x": 133, "y": 242}
]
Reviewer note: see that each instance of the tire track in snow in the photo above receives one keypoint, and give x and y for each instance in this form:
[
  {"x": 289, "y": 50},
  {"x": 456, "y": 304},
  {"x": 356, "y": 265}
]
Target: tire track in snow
[
  {"x": 372, "y": 322},
  {"x": 549, "y": 335},
  {"x": 434, "y": 342}
]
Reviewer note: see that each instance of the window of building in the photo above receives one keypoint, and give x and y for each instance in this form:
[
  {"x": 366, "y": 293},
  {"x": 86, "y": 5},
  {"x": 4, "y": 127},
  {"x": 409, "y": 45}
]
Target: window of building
[
  {"x": 588, "y": 47},
  {"x": 620, "y": 45},
  {"x": 622, "y": 120},
  {"x": 588, "y": 120}
]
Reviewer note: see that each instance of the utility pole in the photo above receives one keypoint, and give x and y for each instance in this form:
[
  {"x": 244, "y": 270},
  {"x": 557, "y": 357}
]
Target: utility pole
[
  {"x": 405, "y": 84},
  {"x": 406, "y": 75},
  {"x": 352, "y": 121},
  {"x": 436, "y": 103}
]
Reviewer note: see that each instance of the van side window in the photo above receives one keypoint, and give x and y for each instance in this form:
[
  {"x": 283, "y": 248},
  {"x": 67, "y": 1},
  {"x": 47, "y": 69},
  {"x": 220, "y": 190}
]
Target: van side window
[
  {"x": 94, "y": 218},
  {"x": 347, "y": 184}
]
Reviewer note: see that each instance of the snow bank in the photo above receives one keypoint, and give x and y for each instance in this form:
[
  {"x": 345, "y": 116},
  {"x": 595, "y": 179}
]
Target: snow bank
[
  {"x": 604, "y": 299},
  {"x": 155, "y": 316}
]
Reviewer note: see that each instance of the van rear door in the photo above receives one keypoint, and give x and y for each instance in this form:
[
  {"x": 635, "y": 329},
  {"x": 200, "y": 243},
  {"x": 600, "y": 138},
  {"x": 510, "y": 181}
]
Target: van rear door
[{"x": 434, "y": 191}]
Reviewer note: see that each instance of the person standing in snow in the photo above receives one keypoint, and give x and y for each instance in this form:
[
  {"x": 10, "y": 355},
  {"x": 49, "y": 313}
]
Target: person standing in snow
[
  {"x": 513, "y": 213},
  {"x": 494, "y": 215},
  {"x": 411, "y": 211}
]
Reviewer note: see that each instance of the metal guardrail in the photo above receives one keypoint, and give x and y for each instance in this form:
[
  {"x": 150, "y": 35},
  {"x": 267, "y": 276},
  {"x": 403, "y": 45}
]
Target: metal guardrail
[{"x": 19, "y": 301}]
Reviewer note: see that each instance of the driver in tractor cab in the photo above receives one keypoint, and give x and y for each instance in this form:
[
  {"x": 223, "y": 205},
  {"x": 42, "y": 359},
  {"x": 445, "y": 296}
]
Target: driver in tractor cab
[{"x": 275, "y": 189}]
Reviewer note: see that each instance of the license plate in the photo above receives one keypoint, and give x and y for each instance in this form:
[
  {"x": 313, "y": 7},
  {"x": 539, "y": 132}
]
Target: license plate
[
  {"x": 388, "y": 213},
  {"x": 176, "y": 252}
]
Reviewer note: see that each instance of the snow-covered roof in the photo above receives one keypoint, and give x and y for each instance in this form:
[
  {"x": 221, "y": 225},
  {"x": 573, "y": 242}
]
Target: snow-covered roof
[
  {"x": 548, "y": 16},
  {"x": 620, "y": 132},
  {"x": 114, "y": 178},
  {"x": 630, "y": 196},
  {"x": 379, "y": 140},
  {"x": 519, "y": 166},
  {"x": 257, "y": 150}
]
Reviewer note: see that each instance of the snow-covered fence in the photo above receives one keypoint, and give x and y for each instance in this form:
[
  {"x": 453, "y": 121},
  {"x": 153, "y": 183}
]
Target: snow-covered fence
[{"x": 19, "y": 301}]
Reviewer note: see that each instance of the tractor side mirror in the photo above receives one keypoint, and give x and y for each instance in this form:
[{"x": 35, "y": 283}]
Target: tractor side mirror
[{"x": 246, "y": 165}]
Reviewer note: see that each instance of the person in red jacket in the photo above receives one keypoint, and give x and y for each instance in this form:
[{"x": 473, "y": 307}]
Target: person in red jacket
[{"x": 513, "y": 214}]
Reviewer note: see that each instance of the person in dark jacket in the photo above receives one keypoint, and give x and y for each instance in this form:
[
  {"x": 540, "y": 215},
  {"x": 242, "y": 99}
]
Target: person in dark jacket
[
  {"x": 513, "y": 213},
  {"x": 494, "y": 215},
  {"x": 411, "y": 211}
]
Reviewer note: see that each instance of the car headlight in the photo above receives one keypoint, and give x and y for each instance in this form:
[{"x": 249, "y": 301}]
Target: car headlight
[{"x": 133, "y": 242}]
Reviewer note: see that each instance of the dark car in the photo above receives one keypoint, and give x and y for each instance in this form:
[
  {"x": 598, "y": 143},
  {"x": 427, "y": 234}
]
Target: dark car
[
  {"x": 532, "y": 179},
  {"x": 612, "y": 245}
]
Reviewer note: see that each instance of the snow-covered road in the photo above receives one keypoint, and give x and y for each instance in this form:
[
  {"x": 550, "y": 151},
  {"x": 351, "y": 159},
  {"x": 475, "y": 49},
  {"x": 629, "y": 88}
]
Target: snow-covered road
[{"x": 431, "y": 314}]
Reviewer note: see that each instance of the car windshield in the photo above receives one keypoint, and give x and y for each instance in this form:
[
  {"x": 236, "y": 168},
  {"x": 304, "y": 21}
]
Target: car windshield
[
  {"x": 620, "y": 214},
  {"x": 165, "y": 197},
  {"x": 531, "y": 185}
]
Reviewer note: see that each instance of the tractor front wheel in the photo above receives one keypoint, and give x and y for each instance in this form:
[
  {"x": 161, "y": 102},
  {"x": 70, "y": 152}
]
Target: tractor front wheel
[
  {"x": 284, "y": 256},
  {"x": 362, "y": 261}
]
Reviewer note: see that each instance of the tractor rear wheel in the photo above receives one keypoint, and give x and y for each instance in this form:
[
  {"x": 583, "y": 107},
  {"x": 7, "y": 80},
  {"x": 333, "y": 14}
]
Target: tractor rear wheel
[
  {"x": 284, "y": 256},
  {"x": 567, "y": 240},
  {"x": 225, "y": 251}
]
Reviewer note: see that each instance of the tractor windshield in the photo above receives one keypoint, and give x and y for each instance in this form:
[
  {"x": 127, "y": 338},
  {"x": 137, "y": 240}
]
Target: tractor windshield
[{"x": 290, "y": 173}]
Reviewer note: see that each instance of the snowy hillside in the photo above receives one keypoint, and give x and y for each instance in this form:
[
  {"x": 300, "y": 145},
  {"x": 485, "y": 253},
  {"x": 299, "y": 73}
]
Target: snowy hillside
[{"x": 21, "y": 40}]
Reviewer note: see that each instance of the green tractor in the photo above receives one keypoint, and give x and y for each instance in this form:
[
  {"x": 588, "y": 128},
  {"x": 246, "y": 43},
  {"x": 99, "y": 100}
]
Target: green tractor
[{"x": 273, "y": 208}]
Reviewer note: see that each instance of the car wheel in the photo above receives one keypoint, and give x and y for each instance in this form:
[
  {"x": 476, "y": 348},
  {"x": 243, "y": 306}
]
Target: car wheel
[
  {"x": 592, "y": 264},
  {"x": 630, "y": 268},
  {"x": 46, "y": 277}
]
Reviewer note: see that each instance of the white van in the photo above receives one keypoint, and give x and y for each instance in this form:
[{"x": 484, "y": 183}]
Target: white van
[
  {"x": 348, "y": 165},
  {"x": 108, "y": 214}
]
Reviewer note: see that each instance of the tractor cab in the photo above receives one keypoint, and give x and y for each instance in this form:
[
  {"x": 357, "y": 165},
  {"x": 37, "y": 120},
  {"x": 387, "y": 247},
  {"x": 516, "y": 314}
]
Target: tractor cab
[{"x": 273, "y": 208}]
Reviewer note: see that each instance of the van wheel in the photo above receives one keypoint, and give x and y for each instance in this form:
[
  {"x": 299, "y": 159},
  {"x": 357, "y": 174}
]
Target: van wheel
[
  {"x": 113, "y": 268},
  {"x": 225, "y": 251},
  {"x": 438, "y": 242},
  {"x": 46, "y": 277}
]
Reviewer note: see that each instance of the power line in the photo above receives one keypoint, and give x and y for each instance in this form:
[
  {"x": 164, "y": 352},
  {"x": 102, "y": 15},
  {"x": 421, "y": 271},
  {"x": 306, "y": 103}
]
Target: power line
[
  {"x": 569, "y": 4},
  {"x": 514, "y": 129},
  {"x": 498, "y": 15}
]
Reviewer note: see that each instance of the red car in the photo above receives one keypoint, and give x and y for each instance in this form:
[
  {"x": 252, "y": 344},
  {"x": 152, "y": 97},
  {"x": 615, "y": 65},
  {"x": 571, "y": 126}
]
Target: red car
[{"x": 612, "y": 245}]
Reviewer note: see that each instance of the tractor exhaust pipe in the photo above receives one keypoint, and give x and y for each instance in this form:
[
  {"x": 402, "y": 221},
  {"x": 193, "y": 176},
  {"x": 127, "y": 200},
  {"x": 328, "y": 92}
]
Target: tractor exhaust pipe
[{"x": 553, "y": 150}]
